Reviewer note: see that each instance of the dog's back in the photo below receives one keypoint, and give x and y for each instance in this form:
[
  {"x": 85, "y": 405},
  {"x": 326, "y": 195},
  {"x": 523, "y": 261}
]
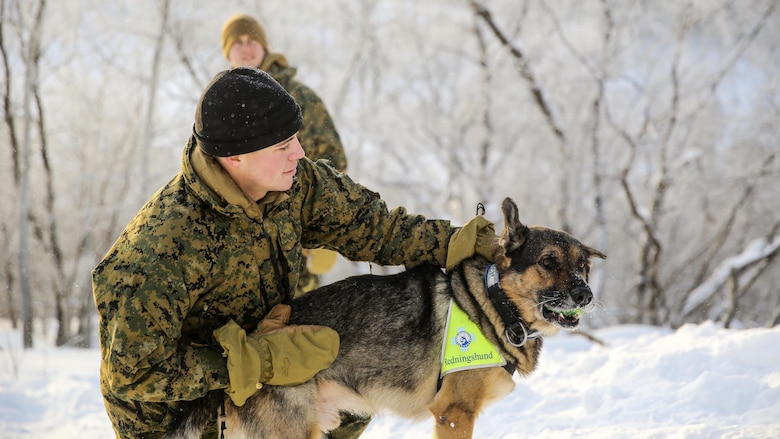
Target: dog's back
[
  {"x": 369, "y": 311},
  {"x": 391, "y": 330}
]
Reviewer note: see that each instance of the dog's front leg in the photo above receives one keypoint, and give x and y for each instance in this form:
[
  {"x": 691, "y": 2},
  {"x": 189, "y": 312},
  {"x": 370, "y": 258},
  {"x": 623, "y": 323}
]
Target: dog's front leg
[{"x": 462, "y": 396}]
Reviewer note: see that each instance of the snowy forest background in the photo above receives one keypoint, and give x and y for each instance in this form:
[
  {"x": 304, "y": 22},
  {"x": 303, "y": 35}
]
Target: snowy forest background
[{"x": 648, "y": 129}]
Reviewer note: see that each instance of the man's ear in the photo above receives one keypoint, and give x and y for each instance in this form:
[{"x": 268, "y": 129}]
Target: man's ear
[{"x": 232, "y": 161}]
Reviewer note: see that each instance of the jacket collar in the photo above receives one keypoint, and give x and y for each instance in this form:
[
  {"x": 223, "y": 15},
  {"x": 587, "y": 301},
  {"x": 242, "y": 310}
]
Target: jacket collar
[
  {"x": 213, "y": 185},
  {"x": 277, "y": 66}
]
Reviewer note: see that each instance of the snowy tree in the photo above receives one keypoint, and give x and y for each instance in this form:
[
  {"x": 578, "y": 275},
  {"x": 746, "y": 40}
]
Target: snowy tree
[{"x": 648, "y": 130}]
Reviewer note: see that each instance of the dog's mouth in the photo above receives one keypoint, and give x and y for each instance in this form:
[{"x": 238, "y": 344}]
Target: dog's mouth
[{"x": 567, "y": 319}]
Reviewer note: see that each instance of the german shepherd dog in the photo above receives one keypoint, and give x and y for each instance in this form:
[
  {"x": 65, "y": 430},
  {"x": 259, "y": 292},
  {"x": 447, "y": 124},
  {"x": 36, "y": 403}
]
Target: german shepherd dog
[{"x": 392, "y": 330}]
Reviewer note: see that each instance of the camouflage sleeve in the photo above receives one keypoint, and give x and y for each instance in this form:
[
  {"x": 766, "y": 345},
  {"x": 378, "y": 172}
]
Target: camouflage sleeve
[
  {"x": 356, "y": 222},
  {"x": 318, "y": 136},
  {"x": 142, "y": 301}
]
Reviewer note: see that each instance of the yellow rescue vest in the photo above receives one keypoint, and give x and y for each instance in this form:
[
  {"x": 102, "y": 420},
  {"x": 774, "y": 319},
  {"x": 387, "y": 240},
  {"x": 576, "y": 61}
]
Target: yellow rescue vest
[{"x": 465, "y": 346}]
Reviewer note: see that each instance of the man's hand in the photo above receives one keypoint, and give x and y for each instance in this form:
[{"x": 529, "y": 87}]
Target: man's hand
[
  {"x": 275, "y": 353},
  {"x": 475, "y": 237}
]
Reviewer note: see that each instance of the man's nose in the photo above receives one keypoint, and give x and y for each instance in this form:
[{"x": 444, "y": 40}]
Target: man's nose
[{"x": 297, "y": 149}]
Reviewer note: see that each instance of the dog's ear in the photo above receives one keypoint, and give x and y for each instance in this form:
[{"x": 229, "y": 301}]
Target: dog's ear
[
  {"x": 592, "y": 252},
  {"x": 515, "y": 232}
]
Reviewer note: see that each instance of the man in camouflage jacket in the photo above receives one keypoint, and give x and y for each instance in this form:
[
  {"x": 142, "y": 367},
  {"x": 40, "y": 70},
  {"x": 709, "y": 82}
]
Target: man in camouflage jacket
[{"x": 205, "y": 251}]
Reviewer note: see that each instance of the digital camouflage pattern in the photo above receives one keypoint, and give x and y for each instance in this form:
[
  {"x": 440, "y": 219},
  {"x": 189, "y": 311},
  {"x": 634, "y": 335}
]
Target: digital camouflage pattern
[
  {"x": 200, "y": 253},
  {"x": 318, "y": 136}
]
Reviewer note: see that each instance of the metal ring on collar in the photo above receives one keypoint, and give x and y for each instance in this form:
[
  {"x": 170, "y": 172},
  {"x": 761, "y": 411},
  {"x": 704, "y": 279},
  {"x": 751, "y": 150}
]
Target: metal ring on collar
[{"x": 510, "y": 333}]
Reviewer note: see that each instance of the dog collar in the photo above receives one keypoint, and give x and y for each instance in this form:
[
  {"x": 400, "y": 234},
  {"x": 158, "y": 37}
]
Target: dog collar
[{"x": 507, "y": 310}]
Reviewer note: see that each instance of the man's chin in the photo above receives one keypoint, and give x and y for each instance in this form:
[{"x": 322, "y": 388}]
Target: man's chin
[{"x": 287, "y": 184}]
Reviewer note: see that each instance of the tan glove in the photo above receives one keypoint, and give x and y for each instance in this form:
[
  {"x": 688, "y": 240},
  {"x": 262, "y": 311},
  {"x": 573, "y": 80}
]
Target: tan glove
[
  {"x": 277, "y": 318},
  {"x": 275, "y": 354},
  {"x": 475, "y": 237},
  {"x": 321, "y": 261}
]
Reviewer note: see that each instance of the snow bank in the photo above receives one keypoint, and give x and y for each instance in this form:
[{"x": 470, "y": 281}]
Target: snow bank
[{"x": 700, "y": 381}]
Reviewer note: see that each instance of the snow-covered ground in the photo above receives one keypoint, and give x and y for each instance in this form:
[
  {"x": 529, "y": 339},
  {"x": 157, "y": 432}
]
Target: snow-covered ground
[{"x": 700, "y": 381}]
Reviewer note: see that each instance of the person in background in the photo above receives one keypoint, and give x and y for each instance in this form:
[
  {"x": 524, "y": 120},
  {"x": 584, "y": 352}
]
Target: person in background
[
  {"x": 187, "y": 292},
  {"x": 244, "y": 44}
]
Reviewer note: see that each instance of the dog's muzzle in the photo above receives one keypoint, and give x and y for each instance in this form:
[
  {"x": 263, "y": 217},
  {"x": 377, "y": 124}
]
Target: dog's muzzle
[
  {"x": 581, "y": 295},
  {"x": 564, "y": 308}
]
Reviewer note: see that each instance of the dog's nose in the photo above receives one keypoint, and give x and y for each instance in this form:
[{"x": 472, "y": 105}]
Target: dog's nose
[{"x": 581, "y": 295}]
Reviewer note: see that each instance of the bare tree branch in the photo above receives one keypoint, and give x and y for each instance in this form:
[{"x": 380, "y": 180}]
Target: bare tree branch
[
  {"x": 543, "y": 102},
  {"x": 756, "y": 251},
  {"x": 8, "y": 111}
]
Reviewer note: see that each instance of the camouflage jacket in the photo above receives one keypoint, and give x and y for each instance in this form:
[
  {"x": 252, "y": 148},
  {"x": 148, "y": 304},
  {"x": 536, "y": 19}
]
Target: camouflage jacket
[
  {"x": 200, "y": 253},
  {"x": 318, "y": 136}
]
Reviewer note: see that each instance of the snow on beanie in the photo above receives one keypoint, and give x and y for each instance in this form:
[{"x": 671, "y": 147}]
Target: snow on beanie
[
  {"x": 241, "y": 24},
  {"x": 244, "y": 110}
]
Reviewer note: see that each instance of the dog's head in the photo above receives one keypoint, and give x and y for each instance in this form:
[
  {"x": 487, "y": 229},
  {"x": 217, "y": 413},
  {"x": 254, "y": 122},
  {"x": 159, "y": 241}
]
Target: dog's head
[{"x": 544, "y": 272}]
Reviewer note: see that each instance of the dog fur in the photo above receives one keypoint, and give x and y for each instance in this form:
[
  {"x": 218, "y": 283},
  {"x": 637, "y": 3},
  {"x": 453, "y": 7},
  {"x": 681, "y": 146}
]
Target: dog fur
[{"x": 392, "y": 328}]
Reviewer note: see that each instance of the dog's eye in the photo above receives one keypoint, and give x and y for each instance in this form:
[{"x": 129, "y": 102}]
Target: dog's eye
[{"x": 547, "y": 262}]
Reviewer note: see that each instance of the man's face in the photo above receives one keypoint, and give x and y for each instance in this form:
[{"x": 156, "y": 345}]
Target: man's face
[
  {"x": 246, "y": 52},
  {"x": 266, "y": 170}
]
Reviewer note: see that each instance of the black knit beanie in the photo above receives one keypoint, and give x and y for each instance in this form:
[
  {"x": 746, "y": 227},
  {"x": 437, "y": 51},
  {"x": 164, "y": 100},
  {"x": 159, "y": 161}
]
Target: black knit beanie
[{"x": 243, "y": 110}]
